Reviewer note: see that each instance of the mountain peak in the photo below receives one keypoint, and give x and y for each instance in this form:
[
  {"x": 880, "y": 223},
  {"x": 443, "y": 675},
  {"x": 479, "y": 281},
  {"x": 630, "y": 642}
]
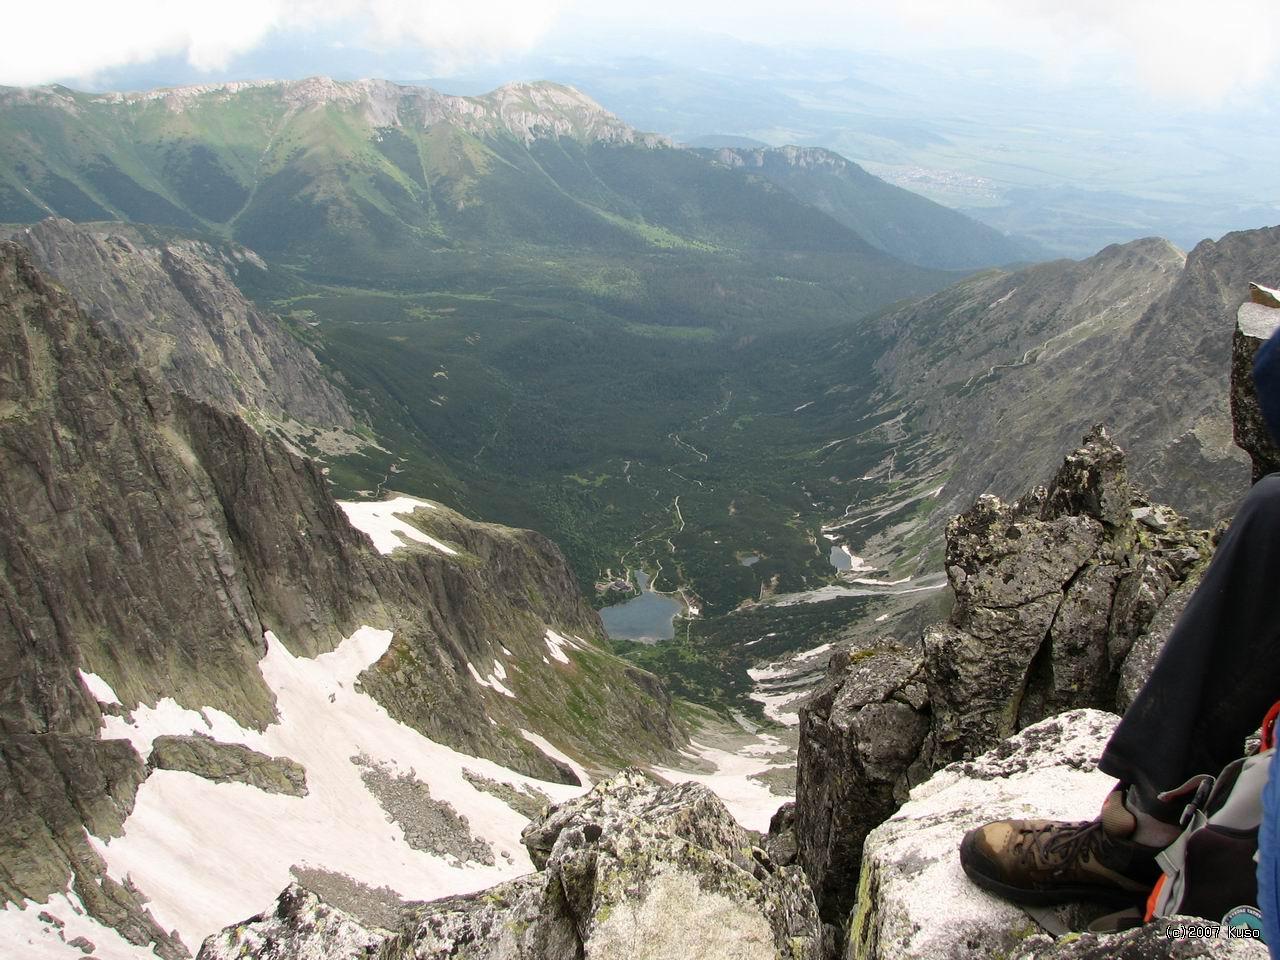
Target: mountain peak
[
  {"x": 529, "y": 110},
  {"x": 807, "y": 158}
]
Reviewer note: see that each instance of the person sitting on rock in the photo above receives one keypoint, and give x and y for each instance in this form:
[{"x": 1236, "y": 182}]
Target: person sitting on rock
[{"x": 1211, "y": 686}]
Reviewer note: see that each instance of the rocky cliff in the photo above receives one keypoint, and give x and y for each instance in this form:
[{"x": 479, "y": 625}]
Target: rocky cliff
[
  {"x": 1005, "y": 370},
  {"x": 151, "y": 546},
  {"x": 176, "y": 307},
  {"x": 630, "y": 870},
  {"x": 1060, "y": 602}
]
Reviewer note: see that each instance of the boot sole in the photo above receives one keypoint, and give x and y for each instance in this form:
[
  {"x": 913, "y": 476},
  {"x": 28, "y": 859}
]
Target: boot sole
[{"x": 1055, "y": 896}]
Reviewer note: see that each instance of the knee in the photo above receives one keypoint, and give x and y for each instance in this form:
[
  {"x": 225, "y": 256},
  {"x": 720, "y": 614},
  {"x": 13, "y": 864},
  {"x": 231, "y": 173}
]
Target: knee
[{"x": 1262, "y": 504}]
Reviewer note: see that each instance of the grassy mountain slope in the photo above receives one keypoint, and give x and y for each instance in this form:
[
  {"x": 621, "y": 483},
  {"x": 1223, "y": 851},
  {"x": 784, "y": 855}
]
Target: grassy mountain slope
[
  {"x": 1004, "y": 371},
  {"x": 891, "y": 219},
  {"x": 534, "y": 302}
]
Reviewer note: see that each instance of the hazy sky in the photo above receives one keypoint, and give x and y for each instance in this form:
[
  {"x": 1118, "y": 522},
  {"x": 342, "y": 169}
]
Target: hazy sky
[{"x": 1180, "y": 48}]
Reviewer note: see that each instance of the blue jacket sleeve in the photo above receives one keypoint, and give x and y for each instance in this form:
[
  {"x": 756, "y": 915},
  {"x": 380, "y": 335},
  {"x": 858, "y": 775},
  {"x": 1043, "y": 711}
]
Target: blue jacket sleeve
[{"x": 1269, "y": 859}]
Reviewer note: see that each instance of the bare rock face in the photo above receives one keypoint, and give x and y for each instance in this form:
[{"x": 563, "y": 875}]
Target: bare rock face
[
  {"x": 1063, "y": 600},
  {"x": 1164, "y": 939},
  {"x": 227, "y": 762},
  {"x": 151, "y": 539},
  {"x": 914, "y": 901},
  {"x": 860, "y": 734},
  {"x": 182, "y": 317},
  {"x": 631, "y": 870},
  {"x": 301, "y": 927},
  {"x": 1051, "y": 593},
  {"x": 1256, "y": 321}
]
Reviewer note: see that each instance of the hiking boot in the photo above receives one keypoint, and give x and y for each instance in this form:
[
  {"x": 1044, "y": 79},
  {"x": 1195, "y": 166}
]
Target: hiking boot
[{"x": 1045, "y": 862}]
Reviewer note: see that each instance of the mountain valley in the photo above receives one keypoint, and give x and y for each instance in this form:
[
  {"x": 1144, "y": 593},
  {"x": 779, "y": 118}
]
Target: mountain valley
[{"x": 332, "y": 413}]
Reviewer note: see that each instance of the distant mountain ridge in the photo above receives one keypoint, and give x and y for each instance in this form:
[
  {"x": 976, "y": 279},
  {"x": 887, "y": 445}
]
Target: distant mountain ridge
[
  {"x": 373, "y": 175},
  {"x": 156, "y": 551},
  {"x": 1000, "y": 373},
  {"x": 523, "y": 108},
  {"x": 890, "y": 218}
]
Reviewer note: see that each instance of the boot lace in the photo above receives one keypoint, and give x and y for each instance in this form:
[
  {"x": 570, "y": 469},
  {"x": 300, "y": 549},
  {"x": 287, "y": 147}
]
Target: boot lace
[{"x": 1059, "y": 846}]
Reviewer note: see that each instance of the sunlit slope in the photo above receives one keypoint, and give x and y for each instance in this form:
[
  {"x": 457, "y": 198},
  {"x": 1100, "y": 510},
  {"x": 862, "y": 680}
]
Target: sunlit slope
[
  {"x": 890, "y": 218},
  {"x": 373, "y": 182}
]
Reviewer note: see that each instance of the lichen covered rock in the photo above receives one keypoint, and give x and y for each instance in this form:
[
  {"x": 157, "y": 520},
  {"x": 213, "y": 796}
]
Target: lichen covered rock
[
  {"x": 300, "y": 927},
  {"x": 914, "y": 901},
  {"x": 1052, "y": 591},
  {"x": 1160, "y": 940},
  {"x": 631, "y": 870}
]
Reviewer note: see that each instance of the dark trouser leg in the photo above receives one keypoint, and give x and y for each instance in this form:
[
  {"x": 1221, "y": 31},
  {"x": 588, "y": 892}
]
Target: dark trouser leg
[{"x": 1219, "y": 671}]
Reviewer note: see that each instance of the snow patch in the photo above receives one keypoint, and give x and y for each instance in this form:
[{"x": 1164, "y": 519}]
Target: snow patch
[
  {"x": 209, "y": 854},
  {"x": 881, "y": 583},
  {"x": 771, "y": 672},
  {"x": 145, "y": 723},
  {"x": 751, "y": 802},
  {"x": 856, "y": 563},
  {"x": 815, "y": 652},
  {"x": 822, "y": 594},
  {"x": 493, "y": 681},
  {"x": 26, "y": 935},
  {"x": 556, "y": 645},
  {"x": 557, "y": 754},
  {"x": 99, "y": 688},
  {"x": 996, "y": 303},
  {"x": 774, "y": 702},
  {"x": 380, "y": 521}
]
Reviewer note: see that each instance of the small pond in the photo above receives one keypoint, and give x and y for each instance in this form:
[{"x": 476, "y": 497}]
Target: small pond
[{"x": 647, "y": 618}]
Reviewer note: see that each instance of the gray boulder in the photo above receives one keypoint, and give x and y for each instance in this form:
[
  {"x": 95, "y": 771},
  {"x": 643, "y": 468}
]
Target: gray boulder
[
  {"x": 300, "y": 927},
  {"x": 225, "y": 762},
  {"x": 633, "y": 869},
  {"x": 914, "y": 901},
  {"x": 860, "y": 734},
  {"x": 1256, "y": 320}
]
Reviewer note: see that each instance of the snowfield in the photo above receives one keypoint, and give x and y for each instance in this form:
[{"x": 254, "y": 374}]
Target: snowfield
[
  {"x": 210, "y": 854},
  {"x": 379, "y": 520}
]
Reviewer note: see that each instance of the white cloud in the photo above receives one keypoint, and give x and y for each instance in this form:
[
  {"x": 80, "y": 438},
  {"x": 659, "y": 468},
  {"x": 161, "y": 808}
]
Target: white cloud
[
  {"x": 42, "y": 41},
  {"x": 1188, "y": 49},
  {"x": 1184, "y": 48}
]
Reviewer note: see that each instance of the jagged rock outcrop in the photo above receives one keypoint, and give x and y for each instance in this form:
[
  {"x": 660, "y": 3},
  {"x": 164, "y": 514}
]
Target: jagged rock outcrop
[
  {"x": 176, "y": 307},
  {"x": 914, "y": 901},
  {"x": 1051, "y": 593},
  {"x": 227, "y": 762},
  {"x": 1060, "y": 603},
  {"x": 151, "y": 539},
  {"x": 630, "y": 870},
  {"x": 1256, "y": 320},
  {"x": 860, "y": 735},
  {"x": 301, "y": 926},
  {"x": 1164, "y": 939}
]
